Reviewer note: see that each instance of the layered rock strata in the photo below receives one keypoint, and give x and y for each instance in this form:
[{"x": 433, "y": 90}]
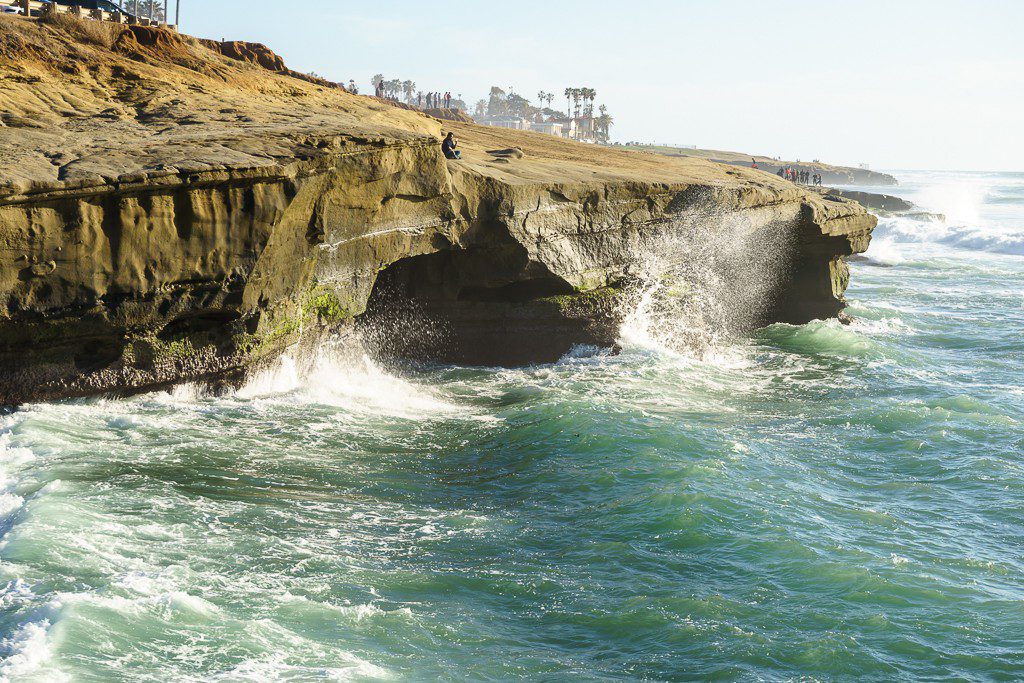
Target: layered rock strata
[{"x": 170, "y": 214}]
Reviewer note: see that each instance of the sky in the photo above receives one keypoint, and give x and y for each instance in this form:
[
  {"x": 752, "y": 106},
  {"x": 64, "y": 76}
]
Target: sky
[{"x": 900, "y": 84}]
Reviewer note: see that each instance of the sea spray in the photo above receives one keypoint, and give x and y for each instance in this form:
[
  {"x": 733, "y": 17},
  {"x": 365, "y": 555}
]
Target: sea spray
[
  {"x": 830, "y": 511},
  {"x": 342, "y": 373},
  {"x": 396, "y": 326},
  {"x": 703, "y": 282}
]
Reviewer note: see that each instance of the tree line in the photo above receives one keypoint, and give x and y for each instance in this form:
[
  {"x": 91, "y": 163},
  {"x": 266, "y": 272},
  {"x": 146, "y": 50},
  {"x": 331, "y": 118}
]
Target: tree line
[{"x": 579, "y": 106}]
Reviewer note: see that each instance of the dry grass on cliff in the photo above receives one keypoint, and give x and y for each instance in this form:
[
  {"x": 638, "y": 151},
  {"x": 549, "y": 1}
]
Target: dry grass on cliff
[{"x": 87, "y": 30}]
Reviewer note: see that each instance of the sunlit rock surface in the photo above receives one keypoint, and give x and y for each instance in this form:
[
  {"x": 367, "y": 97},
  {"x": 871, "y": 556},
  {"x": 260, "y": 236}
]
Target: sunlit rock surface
[{"x": 170, "y": 213}]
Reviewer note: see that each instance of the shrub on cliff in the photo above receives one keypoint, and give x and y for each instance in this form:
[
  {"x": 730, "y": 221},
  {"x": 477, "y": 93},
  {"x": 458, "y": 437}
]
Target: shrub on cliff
[{"x": 87, "y": 30}]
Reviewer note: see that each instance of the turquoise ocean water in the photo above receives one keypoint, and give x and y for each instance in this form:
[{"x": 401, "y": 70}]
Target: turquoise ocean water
[{"x": 816, "y": 503}]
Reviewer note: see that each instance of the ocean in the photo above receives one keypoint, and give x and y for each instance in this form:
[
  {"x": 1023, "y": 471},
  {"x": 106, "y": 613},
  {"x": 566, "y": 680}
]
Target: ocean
[{"x": 815, "y": 502}]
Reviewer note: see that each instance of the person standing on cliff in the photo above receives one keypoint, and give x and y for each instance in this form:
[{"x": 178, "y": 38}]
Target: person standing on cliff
[
  {"x": 781, "y": 173},
  {"x": 449, "y": 145},
  {"x": 753, "y": 163}
]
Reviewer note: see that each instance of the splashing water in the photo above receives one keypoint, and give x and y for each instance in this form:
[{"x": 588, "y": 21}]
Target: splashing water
[
  {"x": 843, "y": 505},
  {"x": 341, "y": 373},
  {"x": 702, "y": 284}
]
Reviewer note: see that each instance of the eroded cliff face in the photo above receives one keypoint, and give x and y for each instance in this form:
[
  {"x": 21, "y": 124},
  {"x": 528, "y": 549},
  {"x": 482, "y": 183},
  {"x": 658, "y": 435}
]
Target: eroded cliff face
[{"x": 199, "y": 252}]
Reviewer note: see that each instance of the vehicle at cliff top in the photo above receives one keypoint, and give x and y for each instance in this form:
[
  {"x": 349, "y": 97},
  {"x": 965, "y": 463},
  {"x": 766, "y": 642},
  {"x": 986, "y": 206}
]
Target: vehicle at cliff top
[
  {"x": 105, "y": 5},
  {"x": 14, "y": 6}
]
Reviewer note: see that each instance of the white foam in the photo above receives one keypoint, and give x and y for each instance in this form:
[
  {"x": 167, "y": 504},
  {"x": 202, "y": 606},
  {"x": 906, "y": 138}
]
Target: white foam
[
  {"x": 274, "y": 668},
  {"x": 12, "y": 459},
  {"x": 973, "y": 238},
  {"x": 349, "y": 379},
  {"x": 281, "y": 377},
  {"x": 882, "y": 326},
  {"x": 581, "y": 351},
  {"x": 27, "y": 653},
  {"x": 885, "y": 251}
]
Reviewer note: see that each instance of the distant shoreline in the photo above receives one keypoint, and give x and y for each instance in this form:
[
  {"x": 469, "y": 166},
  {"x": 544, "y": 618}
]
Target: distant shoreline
[{"x": 831, "y": 173}]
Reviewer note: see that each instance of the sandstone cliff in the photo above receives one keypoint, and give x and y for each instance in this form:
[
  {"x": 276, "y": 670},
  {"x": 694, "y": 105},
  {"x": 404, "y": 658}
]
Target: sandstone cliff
[{"x": 170, "y": 211}]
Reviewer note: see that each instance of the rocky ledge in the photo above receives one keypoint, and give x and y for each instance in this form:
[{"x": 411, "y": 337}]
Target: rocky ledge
[{"x": 171, "y": 212}]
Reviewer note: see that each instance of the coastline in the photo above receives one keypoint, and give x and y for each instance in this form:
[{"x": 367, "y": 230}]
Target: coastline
[{"x": 193, "y": 229}]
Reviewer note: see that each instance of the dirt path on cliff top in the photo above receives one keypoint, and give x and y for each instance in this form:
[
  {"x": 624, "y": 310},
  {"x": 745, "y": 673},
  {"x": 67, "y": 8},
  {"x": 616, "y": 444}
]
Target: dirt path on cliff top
[{"x": 77, "y": 109}]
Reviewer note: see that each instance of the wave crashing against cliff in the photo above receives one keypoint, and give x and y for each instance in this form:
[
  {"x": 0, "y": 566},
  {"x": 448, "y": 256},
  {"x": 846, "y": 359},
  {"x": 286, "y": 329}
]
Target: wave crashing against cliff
[
  {"x": 705, "y": 282},
  {"x": 250, "y": 228}
]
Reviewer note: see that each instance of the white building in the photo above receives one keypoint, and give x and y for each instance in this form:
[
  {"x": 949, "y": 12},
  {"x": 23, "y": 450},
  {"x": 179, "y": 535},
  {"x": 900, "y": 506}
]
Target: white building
[
  {"x": 513, "y": 122},
  {"x": 549, "y": 127}
]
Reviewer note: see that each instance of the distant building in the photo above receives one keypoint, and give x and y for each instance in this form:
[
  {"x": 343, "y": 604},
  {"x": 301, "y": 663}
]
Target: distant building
[
  {"x": 513, "y": 122},
  {"x": 575, "y": 128},
  {"x": 549, "y": 127},
  {"x": 568, "y": 127}
]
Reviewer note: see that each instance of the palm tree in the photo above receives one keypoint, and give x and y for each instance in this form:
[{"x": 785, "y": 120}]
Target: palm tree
[
  {"x": 604, "y": 123},
  {"x": 540, "y": 97},
  {"x": 408, "y": 87},
  {"x": 549, "y": 97},
  {"x": 568, "y": 103}
]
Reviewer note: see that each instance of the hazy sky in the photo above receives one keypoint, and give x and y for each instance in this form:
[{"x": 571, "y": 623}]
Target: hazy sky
[{"x": 896, "y": 83}]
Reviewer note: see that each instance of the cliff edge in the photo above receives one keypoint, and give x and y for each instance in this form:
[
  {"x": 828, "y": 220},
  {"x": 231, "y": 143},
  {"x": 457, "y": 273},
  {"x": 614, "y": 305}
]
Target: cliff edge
[{"x": 170, "y": 212}]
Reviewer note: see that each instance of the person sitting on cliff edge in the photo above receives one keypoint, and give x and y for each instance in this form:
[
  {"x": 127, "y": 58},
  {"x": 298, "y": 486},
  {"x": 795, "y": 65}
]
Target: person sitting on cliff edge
[{"x": 449, "y": 145}]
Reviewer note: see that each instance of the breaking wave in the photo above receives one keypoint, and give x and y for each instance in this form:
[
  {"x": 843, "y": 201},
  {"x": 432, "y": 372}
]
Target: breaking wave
[
  {"x": 700, "y": 285},
  {"x": 344, "y": 376},
  {"x": 897, "y": 229}
]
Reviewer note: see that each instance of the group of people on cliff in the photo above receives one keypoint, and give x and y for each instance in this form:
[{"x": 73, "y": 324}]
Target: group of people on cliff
[
  {"x": 798, "y": 176},
  {"x": 435, "y": 100}
]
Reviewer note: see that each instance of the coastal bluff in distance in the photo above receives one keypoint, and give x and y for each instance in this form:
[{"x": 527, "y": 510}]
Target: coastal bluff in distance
[
  {"x": 174, "y": 210},
  {"x": 831, "y": 174}
]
